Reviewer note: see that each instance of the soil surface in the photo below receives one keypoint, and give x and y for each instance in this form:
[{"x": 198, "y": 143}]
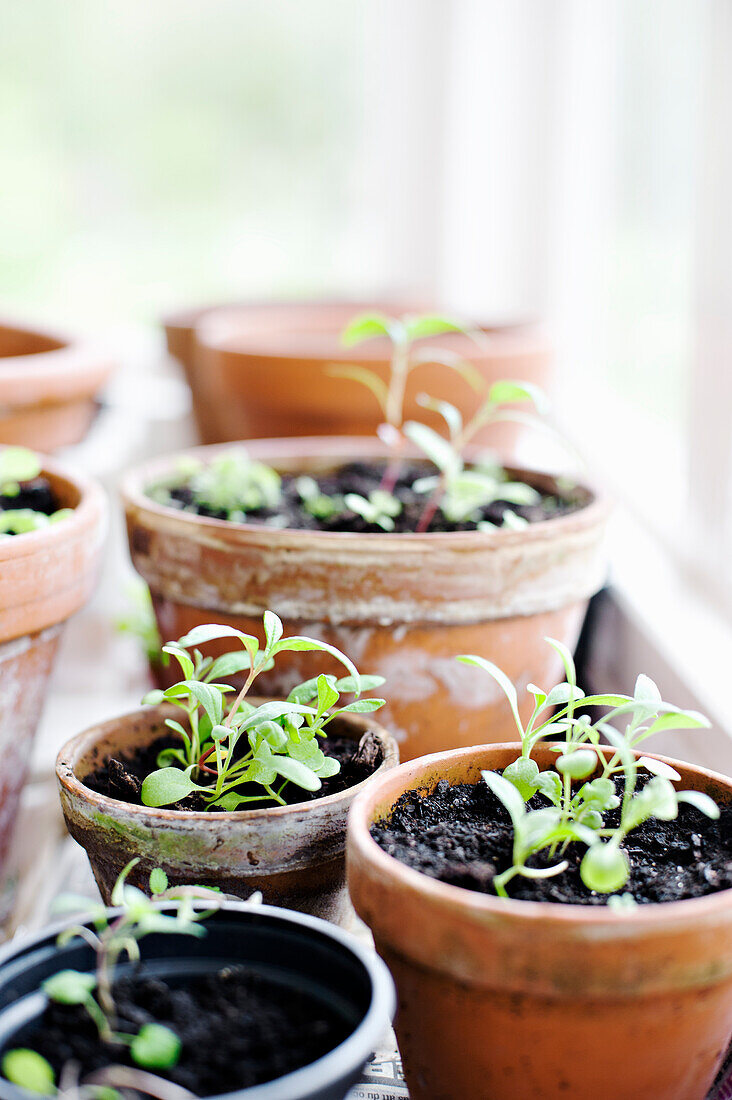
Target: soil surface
[
  {"x": 36, "y": 495},
  {"x": 238, "y": 1028},
  {"x": 462, "y": 835},
  {"x": 363, "y": 478},
  {"x": 122, "y": 778}
]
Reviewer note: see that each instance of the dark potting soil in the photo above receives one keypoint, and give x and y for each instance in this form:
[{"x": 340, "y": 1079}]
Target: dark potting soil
[
  {"x": 37, "y": 495},
  {"x": 122, "y": 778},
  {"x": 363, "y": 478},
  {"x": 238, "y": 1028},
  {"x": 462, "y": 835}
]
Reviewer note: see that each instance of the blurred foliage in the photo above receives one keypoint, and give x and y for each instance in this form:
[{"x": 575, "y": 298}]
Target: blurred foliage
[{"x": 174, "y": 150}]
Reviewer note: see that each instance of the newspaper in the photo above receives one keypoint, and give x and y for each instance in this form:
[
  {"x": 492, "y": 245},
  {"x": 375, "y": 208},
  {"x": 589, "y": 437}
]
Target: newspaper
[{"x": 383, "y": 1078}]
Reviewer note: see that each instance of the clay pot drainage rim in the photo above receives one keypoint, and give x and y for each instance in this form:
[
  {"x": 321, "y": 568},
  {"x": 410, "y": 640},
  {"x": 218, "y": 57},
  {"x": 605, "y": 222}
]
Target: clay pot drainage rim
[
  {"x": 281, "y": 453},
  {"x": 685, "y": 912}
]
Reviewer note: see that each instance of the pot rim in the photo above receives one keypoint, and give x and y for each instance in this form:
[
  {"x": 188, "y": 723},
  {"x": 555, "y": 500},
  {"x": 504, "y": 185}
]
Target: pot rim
[
  {"x": 307, "y": 1078},
  {"x": 513, "y": 909},
  {"x": 74, "y": 368},
  {"x": 92, "y": 501},
  {"x": 69, "y": 753},
  {"x": 346, "y": 448},
  {"x": 244, "y": 329}
]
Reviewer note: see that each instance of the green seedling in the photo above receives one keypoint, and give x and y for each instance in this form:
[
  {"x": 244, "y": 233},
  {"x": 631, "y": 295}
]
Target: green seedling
[
  {"x": 236, "y": 755},
  {"x": 112, "y": 937},
  {"x": 35, "y": 1074},
  {"x": 231, "y": 483},
  {"x": 402, "y": 333},
  {"x": 589, "y": 779},
  {"x": 17, "y": 466},
  {"x": 380, "y": 508},
  {"x": 460, "y": 492}
]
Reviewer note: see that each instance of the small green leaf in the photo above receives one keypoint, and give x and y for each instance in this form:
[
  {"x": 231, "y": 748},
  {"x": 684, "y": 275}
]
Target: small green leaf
[
  {"x": 69, "y": 987},
  {"x": 155, "y": 1047},
  {"x": 431, "y": 324},
  {"x": 18, "y": 464},
  {"x": 700, "y": 801},
  {"x": 327, "y": 694},
  {"x": 451, "y": 415},
  {"x": 562, "y": 694},
  {"x": 578, "y": 764},
  {"x": 165, "y": 786},
  {"x": 329, "y": 767},
  {"x": 269, "y": 712},
  {"x": 229, "y": 664},
  {"x": 657, "y": 799},
  {"x": 622, "y": 903},
  {"x": 158, "y": 881},
  {"x": 524, "y": 774},
  {"x": 347, "y": 685},
  {"x": 646, "y": 691},
  {"x": 368, "y": 378},
  {"x": 210, "y": 632},
  {"x": 659, "y": 767},
  {"x": 29, "y": 1070},
  {"x": 366, "y": 326},
  {"x": 363, "y": 706},
  {"x": 550, "y": 785},
  {"x": 604, "y": 868},
  {"x": 272, "y": 630},
  {"x": 567, "y": 660},
  {"x": 437, "y": 449},
  {"x": 296, "y": 772},
  {"x": 507, "y": 392},
  {"x": 305, "y": 692},
  {"x": 153, "y": 698}
]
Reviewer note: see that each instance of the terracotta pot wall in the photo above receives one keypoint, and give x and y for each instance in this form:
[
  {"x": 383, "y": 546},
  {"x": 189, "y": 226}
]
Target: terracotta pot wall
[
  {"x": 295, "y": 854},
  {"x": 45, "y": 576},
  {"x": 513, "y": 1000},
  {"x": 402, "y": 606},
  {"x": 261, "y": 370},
  {"x": 25, "y": 666},
  {"x": 48, "y": 388}
]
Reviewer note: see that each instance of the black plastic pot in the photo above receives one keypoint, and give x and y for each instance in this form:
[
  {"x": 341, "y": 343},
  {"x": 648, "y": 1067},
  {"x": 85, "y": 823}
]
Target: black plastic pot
[{"x": 299, "y": 949}]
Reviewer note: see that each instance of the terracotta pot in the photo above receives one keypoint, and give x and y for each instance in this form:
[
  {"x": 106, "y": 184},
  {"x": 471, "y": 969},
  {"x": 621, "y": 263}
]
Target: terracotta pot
[
  {"x": 48, "y": 388},
  {"x": 294, "y": 854},
  {"x": 515, "y": 1000},
  {"x": 262, "y": 370},
  {"x": 45, "y": 576},
  {"x": 401, "y": 606}
]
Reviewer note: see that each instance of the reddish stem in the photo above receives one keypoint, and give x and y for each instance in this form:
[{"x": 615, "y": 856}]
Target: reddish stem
[{"x": 429, "y": 510}]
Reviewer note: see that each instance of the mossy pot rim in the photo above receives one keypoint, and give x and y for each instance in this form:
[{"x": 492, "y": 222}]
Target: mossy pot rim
[{"x": 72, "y": 752}]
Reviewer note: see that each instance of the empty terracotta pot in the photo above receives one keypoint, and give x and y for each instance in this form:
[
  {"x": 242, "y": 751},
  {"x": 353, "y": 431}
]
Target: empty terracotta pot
[
  {"x": 45, "y": 576},
  {"x": 515, "y": 1000},
  {"x": 294, "y": 854},
  {"x": 262, "y": 369},
  {"x": 48, "y": 388},
  {"x": 401, "y": 606}
]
